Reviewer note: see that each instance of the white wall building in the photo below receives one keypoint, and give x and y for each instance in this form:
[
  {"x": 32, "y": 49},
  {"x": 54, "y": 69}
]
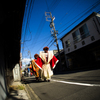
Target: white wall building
[{"x": 85, "y": 36}]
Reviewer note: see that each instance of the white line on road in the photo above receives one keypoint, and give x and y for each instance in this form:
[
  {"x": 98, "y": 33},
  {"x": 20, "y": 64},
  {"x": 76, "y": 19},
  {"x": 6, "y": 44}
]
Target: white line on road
[{"x": 75, "y": 83}]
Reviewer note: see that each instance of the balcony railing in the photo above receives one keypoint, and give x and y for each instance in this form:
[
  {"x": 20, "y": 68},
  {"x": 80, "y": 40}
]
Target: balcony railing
[{"x": 80, "y": 37}]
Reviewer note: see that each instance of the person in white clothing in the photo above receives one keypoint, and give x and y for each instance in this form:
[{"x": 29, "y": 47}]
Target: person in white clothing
[{"x": 46, "y": 62}]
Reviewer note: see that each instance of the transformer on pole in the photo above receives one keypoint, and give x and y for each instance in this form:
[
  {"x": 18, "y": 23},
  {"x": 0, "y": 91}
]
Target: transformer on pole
[{"x": 53, "y": 31}]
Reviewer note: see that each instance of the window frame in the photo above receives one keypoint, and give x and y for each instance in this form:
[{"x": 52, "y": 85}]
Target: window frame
[
  {"x": 84, "y": 34},
  {"x": 77, "y": 37},
  {"x": 67, "y": 43}
]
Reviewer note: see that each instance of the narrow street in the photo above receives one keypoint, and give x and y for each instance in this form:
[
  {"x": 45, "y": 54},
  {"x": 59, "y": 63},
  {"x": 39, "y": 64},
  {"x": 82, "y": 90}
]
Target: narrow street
[{"x": 79, "y": 85}]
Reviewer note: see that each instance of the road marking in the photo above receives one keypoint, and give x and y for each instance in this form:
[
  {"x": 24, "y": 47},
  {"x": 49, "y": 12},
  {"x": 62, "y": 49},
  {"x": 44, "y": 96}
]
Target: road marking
[{"x": 75, "y": 83}]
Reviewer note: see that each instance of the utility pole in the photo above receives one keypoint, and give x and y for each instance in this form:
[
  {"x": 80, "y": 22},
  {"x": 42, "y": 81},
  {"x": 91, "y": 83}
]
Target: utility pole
[
  {"x": 53, "y": 32},
  {"x": 29, "y": 53}
]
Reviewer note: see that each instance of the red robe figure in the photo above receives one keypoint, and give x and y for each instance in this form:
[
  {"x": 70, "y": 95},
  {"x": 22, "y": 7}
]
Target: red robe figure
[{"x": 46, "y": 62}]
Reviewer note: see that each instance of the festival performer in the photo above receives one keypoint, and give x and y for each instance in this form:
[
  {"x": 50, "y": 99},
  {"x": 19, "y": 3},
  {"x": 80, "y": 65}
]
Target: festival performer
[
  {"x": 46, "y": 62},
  {"x": 31, "y": 69},
  {"x": 35, "y": 67}
]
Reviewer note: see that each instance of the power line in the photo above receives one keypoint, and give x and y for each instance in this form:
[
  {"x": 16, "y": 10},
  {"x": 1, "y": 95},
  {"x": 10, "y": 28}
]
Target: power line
[
  {"x": 69, "y": 11},
  {"x": 51, "y": 44},
  {"x": 97, "y": 3},
  {"x": 25, "y": 12},
  {"x": 53, "y": 32},
  {"x": 47, "y": 5},
  {"x": 77, "y": 15},
  {"x": 40, "y": 26},
  {"x": 27, "y": 2},
  {"x": 25, "y": 15},
  {"x": 55, "y": 5},
  {"x": 42, "y": 45},
  {"x": 29, "y": 20},
  {"x": 43, "y": 17},
  {"x": 48, "y": 10},
  {"x": 43, "y": 39},
  {"x": 26, "y": 24}
]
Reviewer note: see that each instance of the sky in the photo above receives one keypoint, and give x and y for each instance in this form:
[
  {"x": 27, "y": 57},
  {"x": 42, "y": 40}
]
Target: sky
[{"x": 36, "y": 30}]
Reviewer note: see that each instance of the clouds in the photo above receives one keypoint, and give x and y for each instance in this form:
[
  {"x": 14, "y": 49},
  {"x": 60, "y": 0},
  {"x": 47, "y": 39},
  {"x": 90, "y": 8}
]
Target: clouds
[{"x": 25, "y": 61}]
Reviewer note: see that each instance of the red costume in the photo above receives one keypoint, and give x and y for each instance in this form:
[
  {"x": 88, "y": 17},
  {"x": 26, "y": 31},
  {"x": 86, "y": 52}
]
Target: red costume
[
  {"x": 46, "y": 62},
  {"x": 52, "y": 62}
]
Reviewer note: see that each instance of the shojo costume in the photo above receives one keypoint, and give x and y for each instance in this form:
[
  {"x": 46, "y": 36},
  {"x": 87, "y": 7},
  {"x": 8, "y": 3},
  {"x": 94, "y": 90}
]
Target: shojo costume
[{"x": 46, "y": 62}]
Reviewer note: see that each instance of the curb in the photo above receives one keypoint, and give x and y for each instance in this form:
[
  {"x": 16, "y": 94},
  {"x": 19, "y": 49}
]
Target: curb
[
  {"x": 27, "y": 92},
  {"x": 31, "y": 93}
]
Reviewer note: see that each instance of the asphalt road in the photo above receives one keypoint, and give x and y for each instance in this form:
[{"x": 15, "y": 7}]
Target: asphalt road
[{"x": 76, "y": 85}]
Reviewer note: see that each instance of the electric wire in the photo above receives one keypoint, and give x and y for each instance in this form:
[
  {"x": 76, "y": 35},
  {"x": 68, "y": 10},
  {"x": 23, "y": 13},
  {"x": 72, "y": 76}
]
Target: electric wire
[
  {"x": 26, "y": 25},
  {"x": 63, "y": 18},
  {"x": 27, "y": 2},
  {"x": 42, "y": 21},
  {"x": 29, "y": 21},
  {"x": 43, "y": 45},
  {"x": 47, "y": 5},
  {"x": 51, "y": 44},
  {"x": 78, "y": 15},
  {"x": 71, "y": 11},
  {"x": 65, "y": 14},
  {"x": 48, "y": 9},
  {"x": 55, "y": 5},
  {"x": 52, "y": 8},
  {"x": 97, "y": 3},
  {"x": 38, "y": 42},
  {"x": 39, "y": 29}
]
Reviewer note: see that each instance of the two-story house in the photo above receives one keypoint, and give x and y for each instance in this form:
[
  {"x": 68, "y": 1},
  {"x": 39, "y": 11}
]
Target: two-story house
[{"x": 82, "y": 44}]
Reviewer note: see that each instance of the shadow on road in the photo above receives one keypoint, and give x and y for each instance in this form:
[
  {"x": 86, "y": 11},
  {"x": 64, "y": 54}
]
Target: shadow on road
[
  {"x": 28, "y": 80},
  {"x": 76, "y": 70}
]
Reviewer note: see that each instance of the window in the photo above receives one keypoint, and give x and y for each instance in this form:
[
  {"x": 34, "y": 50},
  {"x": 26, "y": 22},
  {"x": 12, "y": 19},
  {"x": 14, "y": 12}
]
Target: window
[
  {"x": 67, "y": 43},
  {"x": 76, "y": 36},
  {"x": 98, "y": 18},
  {"x": 84, "y": 31}
]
